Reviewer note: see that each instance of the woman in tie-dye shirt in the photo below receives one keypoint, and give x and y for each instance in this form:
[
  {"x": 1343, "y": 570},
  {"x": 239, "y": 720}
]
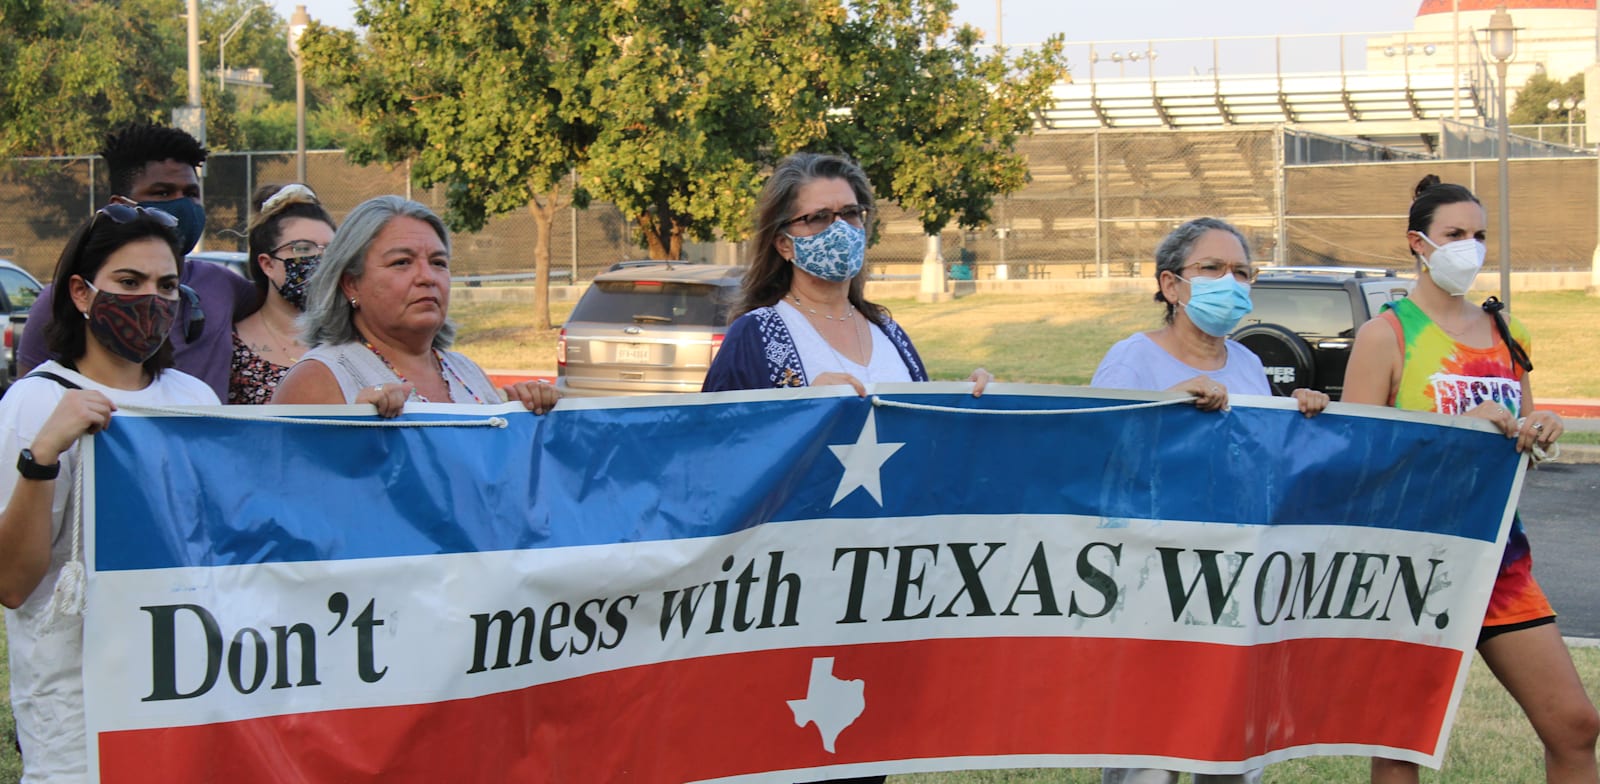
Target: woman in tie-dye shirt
[{"x": 1436, "y": 351}]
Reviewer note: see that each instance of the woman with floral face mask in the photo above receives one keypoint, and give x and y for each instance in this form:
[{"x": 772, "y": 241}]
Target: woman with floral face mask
[
  {"x": 287, "y": 237},
  {"x": 1436, "y": 351},
  {"x": 115, "y": 298},
  {"x": 803, "y": 318}
]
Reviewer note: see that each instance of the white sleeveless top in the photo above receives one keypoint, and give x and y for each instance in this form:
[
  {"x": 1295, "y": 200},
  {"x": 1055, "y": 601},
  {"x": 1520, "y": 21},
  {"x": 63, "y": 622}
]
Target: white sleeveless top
[{"x": 356, "y": 367}]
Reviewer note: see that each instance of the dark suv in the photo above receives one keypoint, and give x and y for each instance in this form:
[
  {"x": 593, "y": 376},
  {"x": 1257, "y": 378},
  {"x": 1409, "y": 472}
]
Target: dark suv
[
  {"x": 1305, "y": 321},
  {"x": 646, "y": 327}
]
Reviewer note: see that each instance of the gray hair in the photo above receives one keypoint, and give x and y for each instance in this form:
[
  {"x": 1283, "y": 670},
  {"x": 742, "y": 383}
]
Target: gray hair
[
  {"x": 329, "y": 317},
  {"x": 1173, "y": 252}
]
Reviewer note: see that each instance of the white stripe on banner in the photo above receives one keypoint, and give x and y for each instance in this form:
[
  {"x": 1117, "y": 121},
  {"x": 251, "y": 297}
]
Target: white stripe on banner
[{"x": 195, "y": 646}]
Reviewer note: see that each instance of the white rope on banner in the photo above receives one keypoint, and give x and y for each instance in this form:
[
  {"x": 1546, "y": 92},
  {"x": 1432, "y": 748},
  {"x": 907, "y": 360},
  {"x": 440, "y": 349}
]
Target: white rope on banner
[
  {"x": 240, "y": 416},
  {"x": 880, "y": 402},
  {"x": 67, "y": 600}
]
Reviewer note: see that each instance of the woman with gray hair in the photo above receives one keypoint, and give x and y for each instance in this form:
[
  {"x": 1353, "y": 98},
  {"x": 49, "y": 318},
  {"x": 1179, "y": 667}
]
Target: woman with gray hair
[
  {"x": 1203, "y": 275},
  {"x": 376, "y": 319}
]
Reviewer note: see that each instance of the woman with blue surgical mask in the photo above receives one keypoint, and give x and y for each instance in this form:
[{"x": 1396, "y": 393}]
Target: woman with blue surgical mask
[
  {"x": 1437, "y": 351},
  {"x": 1203, "y": 274},
  {"x": 802, "y": 318}
]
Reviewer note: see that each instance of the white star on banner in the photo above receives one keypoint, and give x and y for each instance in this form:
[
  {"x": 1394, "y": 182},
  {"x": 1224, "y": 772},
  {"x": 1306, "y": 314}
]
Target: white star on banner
[{"x": 862, "y": 462}]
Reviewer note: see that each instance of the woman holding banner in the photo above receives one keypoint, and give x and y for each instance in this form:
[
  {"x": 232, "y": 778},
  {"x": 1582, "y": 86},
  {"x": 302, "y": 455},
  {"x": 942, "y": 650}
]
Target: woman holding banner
[
  {"x": 115, "y": 298},
  {"x": 376, "y": 319},
  {"x": 1203, "y": 275},
  {"x": 1397, "y": 359},
  {"x": 803, "y": 317}
]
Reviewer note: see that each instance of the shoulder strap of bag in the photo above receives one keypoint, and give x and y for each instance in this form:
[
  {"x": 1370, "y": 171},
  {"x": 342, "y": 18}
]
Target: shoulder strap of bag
[
  {"x": 52, "y": 377},
  {"x": 1494, "y": 307}
]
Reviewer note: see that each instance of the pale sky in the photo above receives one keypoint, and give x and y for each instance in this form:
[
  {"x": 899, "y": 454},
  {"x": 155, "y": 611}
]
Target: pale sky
[{"x": 1028, "y": 21}]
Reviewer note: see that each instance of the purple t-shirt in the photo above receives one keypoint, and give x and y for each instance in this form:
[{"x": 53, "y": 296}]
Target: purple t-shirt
[{"x": 224, "y": 299}]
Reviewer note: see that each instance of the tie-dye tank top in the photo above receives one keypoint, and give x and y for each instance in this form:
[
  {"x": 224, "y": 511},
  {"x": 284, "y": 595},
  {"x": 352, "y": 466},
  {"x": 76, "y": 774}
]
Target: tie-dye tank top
[{"x": 1440, "y": 374}]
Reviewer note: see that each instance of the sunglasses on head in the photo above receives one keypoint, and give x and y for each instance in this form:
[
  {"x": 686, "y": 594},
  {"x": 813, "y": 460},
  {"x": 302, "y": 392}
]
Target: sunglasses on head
[{"x": 120, "y": 213}]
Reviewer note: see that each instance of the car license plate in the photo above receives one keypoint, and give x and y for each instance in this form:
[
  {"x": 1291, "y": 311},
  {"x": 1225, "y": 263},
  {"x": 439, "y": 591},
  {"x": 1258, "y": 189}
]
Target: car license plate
[{"x": 634, "y": 353}]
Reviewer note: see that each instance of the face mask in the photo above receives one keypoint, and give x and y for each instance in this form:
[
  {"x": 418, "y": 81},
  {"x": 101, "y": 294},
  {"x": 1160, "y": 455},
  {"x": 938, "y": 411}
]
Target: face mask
[
  {"x": 191, "y": 219},
  {"x": 296, "y": 274},
  {"x": 1217, "y": 304},
  {"x": 835, "y": 254},
  {"x": 1454, "y": 265},
  {"x": 132, "y": 326}
]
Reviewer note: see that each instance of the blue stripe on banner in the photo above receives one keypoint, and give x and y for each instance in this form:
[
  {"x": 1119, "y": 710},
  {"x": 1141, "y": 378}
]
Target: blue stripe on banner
[{"x": 235, "y": 492}]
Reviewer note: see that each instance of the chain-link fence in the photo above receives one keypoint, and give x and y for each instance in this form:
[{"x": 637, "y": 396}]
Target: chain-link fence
[
  {"x": 1356, "y": 215},
  {"x": 43, "y": 200},
  {"x": 1098, "y": 203}
]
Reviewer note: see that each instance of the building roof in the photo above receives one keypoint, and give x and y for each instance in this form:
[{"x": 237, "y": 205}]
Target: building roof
[{"x": 1445, "y": 7}]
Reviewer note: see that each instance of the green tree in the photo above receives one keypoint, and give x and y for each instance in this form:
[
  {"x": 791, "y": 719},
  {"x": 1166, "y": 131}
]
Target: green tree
[
  {"x": 486, "y": 98},
  {"x": 69, "y": 71},
  {"x": 673, "y": 109},
  {"x": 1532, "y": 106},
  {"x": 932, "y": 120},
  {"x": 694, "y": 98}
]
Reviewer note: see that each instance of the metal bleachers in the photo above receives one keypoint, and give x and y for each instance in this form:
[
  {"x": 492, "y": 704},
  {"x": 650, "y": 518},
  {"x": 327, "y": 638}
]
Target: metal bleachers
[{"x": 1220, "y": 101}]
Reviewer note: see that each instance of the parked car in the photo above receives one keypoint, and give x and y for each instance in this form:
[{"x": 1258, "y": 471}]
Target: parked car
[
  {"x": 237, "y": 262},
  {"x": 1305, "y": 321},
  {"x": 646, "y": 327},
  {"x": 18, "y": 290}
]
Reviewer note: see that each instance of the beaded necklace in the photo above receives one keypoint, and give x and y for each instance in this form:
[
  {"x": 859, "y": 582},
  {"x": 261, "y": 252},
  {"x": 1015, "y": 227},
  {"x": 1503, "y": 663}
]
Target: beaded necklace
[{"x": 444, "y": 367}]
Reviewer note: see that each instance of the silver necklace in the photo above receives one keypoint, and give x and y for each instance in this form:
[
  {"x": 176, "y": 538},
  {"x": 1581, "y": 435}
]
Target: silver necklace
[
  {"x": 849, "y": 310},
  {"x": 861, "y": 351}
]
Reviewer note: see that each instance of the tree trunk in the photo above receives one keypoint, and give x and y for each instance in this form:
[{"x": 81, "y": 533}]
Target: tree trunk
[
  {"x": 543, "y": 209},
  {"x": 663, "y": 237}
]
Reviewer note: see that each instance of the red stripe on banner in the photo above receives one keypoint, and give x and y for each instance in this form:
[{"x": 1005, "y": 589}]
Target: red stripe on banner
[{"x": 729, "y": 715}]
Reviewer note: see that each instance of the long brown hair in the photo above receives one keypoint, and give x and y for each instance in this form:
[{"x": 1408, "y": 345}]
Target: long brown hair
[{"x": 770, "y": 274}]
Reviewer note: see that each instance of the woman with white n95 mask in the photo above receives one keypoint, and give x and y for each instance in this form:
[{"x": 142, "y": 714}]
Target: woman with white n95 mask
[{"x": 1438, "y": 351}]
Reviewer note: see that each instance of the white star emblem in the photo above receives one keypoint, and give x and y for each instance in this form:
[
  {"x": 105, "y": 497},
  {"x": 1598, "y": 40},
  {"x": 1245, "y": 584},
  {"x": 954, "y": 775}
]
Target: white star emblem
[{"x": 862, "y": 462}]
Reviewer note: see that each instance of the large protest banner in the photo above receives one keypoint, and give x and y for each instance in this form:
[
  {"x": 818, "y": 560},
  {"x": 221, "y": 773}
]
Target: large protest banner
[{"x": 783, "y": 586}]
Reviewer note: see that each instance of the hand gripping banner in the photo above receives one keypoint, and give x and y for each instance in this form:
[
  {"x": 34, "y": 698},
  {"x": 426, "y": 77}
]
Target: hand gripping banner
[{"x": 782, "y": 586}]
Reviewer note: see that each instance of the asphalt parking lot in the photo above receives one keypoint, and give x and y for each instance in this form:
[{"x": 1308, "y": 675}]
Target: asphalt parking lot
[{"x": 1561, "y": 509}]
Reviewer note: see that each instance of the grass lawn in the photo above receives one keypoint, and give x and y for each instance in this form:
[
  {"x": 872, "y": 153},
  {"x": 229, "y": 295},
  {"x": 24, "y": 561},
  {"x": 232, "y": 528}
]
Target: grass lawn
[{"x": 1057, "y": 338}]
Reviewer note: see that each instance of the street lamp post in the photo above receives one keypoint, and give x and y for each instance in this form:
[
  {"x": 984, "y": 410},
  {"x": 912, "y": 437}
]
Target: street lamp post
[
  {"x": 1502, "y": 47},
  {"x": 1569, "y": 106},
  {"x": 298, "y": 22},
  {"x": 222, "y": 45}
]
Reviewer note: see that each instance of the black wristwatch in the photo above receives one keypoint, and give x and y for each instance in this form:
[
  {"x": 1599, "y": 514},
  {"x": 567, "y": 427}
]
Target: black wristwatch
[{"x": 32, "y": 470}]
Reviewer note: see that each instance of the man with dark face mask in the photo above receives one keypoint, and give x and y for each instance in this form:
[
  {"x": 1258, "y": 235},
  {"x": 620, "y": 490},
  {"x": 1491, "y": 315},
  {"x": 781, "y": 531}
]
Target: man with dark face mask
[{"x": 155, "y": 166}]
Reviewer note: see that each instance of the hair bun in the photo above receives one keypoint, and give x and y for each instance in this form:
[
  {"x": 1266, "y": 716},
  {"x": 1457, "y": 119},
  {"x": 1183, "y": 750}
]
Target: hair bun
[{"x": 1423, "y": 186}]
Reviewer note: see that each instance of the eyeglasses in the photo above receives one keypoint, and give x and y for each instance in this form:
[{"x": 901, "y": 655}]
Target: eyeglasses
[
  {"x": 299, "y": 250},
  {"x": 816, "y": 222},
  {"x": 120, "y": 213},
  {"x": 1216, "y": 269}
]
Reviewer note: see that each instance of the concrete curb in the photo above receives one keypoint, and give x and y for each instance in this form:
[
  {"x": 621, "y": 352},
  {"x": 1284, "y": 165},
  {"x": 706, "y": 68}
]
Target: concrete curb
[
  {"x": 1579, "y": 454},
  {"x": 1581, "y": 642}
]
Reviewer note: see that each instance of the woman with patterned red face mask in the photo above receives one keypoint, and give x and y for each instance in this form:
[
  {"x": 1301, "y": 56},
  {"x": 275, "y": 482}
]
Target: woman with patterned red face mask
[{"x": 114, "y": 300}]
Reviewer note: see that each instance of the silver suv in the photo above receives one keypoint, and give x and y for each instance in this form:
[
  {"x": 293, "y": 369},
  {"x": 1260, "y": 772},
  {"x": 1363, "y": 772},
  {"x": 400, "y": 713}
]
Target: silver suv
[
  {"x": 18, "y": 290},
  {"x": 646, "y": 327}
]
